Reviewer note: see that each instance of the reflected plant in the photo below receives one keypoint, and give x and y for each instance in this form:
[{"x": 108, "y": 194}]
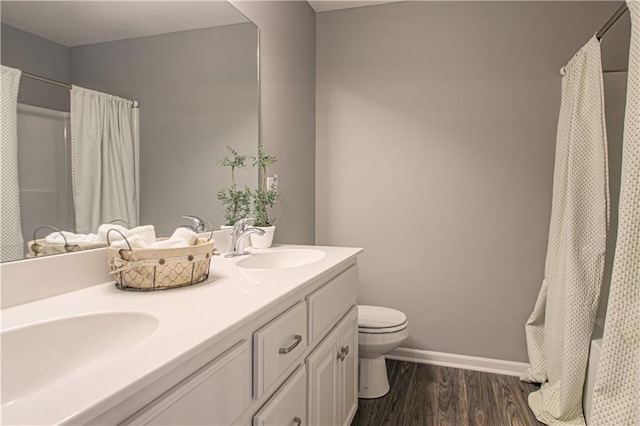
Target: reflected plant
[
  {"x": 236, "y": 201},
  {"x": 264, "y": 198}
]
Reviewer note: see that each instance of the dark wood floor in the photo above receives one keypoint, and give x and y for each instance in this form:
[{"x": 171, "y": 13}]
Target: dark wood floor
[{"x": 429, "y": 395}]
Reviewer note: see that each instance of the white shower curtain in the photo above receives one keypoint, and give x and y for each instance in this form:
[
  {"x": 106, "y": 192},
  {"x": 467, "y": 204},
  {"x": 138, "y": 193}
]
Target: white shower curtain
[
  {"x": 103, "y": 159},
  {"x": 616, "y": 398},
  {"x": 559, "y": 329},
  {"x": 11, "y": 242}
]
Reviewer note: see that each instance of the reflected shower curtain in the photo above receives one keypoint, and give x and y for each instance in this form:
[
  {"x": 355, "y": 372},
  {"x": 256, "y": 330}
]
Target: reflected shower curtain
[
  {"x": 102, "y": 159},
  {"x": 616, "y": 397},
  {"x": 11, "y": 243},
  {"x": 559, "y": 329}
]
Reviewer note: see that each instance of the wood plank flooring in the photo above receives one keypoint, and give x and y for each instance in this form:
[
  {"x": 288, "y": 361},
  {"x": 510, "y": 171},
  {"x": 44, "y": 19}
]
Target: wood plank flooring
[{"x": 428, "y": 395}]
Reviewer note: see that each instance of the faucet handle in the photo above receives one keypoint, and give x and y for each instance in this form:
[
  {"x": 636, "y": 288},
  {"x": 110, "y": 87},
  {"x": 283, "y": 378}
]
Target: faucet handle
[
  {"x": 198, "y": 224},
  {"x": 242, "y": 224}
]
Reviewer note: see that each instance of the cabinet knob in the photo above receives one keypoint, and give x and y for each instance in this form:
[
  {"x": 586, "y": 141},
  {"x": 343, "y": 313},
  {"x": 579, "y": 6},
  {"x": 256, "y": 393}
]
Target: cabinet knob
[
  {"x": 297, "y": 421},
  {"x": 298, "y": 339},
  {"x": 345, "y": 350},
  {"x": 341, "y": 356}
]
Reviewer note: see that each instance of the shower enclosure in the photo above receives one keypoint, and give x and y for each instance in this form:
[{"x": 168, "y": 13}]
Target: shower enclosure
[{"x": 44, "y": 169}]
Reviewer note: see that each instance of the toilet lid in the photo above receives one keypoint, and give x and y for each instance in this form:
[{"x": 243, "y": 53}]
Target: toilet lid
[{"x": 380, "y": 318}]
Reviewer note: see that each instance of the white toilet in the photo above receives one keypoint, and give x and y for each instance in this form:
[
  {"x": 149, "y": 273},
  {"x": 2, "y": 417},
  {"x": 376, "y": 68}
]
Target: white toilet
[{"x": 380, "y": 331}]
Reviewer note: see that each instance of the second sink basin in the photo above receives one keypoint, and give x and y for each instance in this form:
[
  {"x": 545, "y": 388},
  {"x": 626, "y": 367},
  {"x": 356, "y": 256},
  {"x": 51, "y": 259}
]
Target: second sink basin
[
  {"x": 37, "y": 355},
  {"x": 281, "y": 259}
]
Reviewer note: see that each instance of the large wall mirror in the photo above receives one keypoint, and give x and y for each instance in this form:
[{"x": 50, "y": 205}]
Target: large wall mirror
[{"x": 192, "y": 66}]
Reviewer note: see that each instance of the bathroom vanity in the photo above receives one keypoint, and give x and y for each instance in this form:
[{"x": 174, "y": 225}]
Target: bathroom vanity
[{"x": 269, "y": 339}]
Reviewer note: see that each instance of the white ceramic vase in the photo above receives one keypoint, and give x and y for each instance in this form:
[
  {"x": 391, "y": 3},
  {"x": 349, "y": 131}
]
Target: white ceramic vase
[{"x": 263, "y": 241}]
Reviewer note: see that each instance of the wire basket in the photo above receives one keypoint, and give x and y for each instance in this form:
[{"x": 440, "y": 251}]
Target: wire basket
[{"x": 147, "y": 269}]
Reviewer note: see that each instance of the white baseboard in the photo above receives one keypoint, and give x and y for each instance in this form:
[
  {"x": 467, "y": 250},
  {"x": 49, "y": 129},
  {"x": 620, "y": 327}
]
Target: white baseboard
[{"x": 487, "y": 365}]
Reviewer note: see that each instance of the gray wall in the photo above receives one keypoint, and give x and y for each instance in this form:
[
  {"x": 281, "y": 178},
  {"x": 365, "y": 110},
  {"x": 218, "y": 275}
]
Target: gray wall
[
  {"x": 39, "y": 56},
  {"x": 287, "y": 108},
  {"x": 436, "y": 126},
  {"x": 198, "y": 92}
]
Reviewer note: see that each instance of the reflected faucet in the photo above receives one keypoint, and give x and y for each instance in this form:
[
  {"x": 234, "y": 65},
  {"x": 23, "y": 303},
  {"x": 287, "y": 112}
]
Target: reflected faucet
[
  {"x": 239, "y": 235},
  {"x": 198, "y": 224}
]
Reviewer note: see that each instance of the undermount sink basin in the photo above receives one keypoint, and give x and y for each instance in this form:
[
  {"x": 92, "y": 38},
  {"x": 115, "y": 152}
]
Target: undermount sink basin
[
  {"x": 281, "y": 259},
  {"x": 37, "y": 355}
]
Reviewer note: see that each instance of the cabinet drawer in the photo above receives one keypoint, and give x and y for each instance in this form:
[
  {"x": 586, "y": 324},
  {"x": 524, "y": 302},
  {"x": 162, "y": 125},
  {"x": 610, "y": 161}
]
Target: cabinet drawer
[
  {"x": 217, "y": 394},
  {"x": 330, "y": 302},
  {"x": 277, "y": 346},
  {"x": 288, "y": 405}
]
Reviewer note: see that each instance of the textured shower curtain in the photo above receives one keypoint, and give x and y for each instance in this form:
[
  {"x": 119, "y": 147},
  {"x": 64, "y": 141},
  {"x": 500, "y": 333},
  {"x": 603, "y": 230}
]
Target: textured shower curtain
[
  {"x": 559, "y": 329},
  {"x": 11, "y": 243},
  {"x": 102, "y": 159},
  {"x": 616, "y": 398}
]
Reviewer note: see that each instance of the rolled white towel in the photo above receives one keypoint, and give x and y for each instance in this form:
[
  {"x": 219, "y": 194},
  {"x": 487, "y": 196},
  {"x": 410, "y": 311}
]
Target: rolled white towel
[
  {"x": 135, "y": 241},
  {"x": 71, "y": 238},
  {"x": 186, "y": 234},
  {"x": 171, "y": 243},
  {"x": 147, "y": 232}
]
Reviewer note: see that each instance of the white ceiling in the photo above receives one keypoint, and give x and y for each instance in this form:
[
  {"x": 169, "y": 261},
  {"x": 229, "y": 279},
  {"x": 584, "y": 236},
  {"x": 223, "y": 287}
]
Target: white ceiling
[
  {"x": 76, "y": 23},
  {"x": 326, "y": 5}
]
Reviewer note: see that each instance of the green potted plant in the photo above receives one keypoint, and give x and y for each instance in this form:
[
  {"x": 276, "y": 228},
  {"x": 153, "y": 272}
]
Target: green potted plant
[
  {"x": 264, "y": 198},
  {"x": 236, "y": 201}
]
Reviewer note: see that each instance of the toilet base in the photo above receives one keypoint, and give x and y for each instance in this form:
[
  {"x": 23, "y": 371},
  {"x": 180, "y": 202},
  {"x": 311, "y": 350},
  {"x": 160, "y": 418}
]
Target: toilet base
[{"x": 373, "y": 380}]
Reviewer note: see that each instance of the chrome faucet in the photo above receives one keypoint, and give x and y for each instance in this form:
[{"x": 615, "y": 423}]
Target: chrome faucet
[
  {"x": 239, "y": 235},
  {"x": 198, "y": 224}
]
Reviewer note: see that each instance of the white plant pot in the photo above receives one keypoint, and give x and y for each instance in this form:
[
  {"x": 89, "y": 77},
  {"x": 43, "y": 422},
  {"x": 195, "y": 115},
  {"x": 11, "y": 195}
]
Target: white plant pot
[
  {"x": 222, "y": 240},
  {"x": 263, "y": 241}
]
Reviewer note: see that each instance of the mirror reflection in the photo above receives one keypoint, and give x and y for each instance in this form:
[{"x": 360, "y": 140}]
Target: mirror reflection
[{"x": 160, "y": 89}]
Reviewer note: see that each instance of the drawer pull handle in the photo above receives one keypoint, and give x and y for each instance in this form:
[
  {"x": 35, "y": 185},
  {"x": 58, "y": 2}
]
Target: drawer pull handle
[
  {"x": 345, "y": 350},
  {"x": 284, "y": 351},
  {"x": 341, "y": 356},
  {"x": 297, "y": 421}
]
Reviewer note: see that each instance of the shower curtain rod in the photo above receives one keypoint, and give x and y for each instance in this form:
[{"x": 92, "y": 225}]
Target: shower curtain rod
[
  {"x": 136, "y": 104},
  {"x": 621, "y": 10}
]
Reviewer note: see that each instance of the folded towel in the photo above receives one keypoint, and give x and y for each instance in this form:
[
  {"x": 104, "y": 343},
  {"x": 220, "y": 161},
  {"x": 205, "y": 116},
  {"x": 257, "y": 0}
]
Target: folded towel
[
  {"x": 147, "y": 232},
  {"x": 186, "y": 234},
  {"x": 171, "y": 243},
  {"x": 135, "y": 241},
  {"x": 182, "y": 237}
]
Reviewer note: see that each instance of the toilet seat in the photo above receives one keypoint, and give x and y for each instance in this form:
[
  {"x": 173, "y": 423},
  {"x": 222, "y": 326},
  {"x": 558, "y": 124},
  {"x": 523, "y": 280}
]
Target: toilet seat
[{"x": 380, "y": 320}]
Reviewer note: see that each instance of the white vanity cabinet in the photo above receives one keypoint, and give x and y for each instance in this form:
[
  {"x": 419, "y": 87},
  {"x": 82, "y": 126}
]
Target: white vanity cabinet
[{"x": 296, "y": 364}]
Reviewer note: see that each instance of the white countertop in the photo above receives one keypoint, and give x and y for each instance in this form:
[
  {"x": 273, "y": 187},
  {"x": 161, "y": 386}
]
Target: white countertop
[{"x": 189, "y": 319}]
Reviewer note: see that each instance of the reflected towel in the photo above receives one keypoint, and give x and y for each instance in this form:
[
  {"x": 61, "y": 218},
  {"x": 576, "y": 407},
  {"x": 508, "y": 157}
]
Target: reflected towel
[{"x": 71, "y": 238}]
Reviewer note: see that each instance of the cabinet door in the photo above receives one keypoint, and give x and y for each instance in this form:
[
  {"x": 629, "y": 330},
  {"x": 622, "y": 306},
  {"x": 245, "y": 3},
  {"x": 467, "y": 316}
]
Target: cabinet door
[
  {"x": 214, "y": 395},
  {"x": 322, "y": 367},
  {"x": 288, "y": 405},
  {"x": 348, "y": 368}
]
